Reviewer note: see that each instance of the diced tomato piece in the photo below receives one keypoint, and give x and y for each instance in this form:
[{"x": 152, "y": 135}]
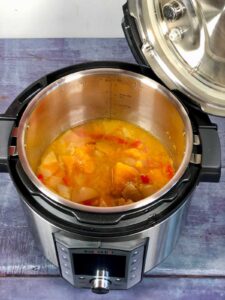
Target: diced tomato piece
[
  {"x": 136, "y": 144},
  {"x": 120, "y": 141},
  {"x": 88, "y": 202},
  {"x": 115, "y": 139},
  {"x": 169, "y": 171},
  {"x": 40, "y": 177},
  {"x": 145, "y": 179},
  {"x": 66, "y": 180},
  {"x": 98, "y": 136}
]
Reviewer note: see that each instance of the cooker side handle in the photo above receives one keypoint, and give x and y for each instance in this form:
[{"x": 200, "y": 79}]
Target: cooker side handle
[
  {"x": 211, "y": 154},
  {"x": 6, "y": 125}
]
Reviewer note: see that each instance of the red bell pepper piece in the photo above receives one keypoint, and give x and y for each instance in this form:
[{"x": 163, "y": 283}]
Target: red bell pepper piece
[
  {"x": 169, "y": 171},
  {"x": 40, "y": 177},
  {"x": 88, "y": 202},
  {"x": 135, "y": 144},
  {"x": 145, "y": 179}
]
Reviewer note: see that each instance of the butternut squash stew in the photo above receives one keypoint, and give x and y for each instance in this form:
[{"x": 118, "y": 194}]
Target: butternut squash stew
[{"x": 105, "y": 163}]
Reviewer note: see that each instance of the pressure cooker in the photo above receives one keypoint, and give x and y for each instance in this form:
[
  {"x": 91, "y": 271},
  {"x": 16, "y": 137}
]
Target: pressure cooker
[{"x": 177, "y": 81}]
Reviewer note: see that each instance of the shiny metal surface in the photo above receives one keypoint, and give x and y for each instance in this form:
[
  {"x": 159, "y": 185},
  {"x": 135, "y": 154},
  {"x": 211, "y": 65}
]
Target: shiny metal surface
[
  {"x": 42, "y": 231},
  {"x": 161, "y": 237},
  {"x": 101, "y": 284},
  {"x": 173, "y": 10},
  {"x": 187, "y": 49},
  {"x": 104, "y": 93}
]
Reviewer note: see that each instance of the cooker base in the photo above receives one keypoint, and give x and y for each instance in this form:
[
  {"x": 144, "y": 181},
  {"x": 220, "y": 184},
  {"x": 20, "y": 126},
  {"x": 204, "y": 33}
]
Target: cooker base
[{"x": 151, "y": 246}]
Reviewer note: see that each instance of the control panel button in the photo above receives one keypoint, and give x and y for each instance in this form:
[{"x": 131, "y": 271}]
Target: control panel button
[
  {"x": 81, "y": 277},
  {"x": 61, "y": 248},
  {"x": 135, "y": 266}
]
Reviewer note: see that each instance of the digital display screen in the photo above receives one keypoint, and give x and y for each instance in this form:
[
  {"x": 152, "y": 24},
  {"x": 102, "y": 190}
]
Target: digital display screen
[{"x": 88, "y": 264}]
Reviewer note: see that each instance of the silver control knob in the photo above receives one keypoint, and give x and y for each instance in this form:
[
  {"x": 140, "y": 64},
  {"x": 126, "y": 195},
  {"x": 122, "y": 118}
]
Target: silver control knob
[
  {"x": 100, "y": 285},
  {"x": 173, "y": 10}
]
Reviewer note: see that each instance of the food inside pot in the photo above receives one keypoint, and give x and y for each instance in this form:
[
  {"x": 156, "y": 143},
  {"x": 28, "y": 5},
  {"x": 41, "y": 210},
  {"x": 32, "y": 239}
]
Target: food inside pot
[{"x": 105, "y": 163}]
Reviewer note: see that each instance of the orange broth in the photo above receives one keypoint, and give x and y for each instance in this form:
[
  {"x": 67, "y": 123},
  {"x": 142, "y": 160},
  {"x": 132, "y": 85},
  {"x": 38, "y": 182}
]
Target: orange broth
[{"x": 105, "y": 163}]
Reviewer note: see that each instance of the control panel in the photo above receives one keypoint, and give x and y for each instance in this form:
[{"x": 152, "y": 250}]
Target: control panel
[{"x": 100, "y": 266}]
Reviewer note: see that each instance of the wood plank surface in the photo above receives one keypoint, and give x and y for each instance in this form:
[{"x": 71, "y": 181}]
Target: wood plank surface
[{"x": 200, "y": 250}]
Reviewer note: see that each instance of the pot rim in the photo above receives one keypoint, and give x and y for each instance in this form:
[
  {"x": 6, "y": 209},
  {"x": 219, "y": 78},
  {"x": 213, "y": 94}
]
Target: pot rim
[{"x": 24, "y": 124}]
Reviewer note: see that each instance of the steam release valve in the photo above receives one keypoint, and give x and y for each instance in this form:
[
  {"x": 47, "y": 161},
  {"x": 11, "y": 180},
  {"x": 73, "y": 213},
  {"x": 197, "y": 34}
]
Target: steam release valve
[{"x": 173, "y": 10}]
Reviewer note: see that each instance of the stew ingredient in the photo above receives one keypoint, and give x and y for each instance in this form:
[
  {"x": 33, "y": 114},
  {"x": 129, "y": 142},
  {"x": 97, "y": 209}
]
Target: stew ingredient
[{"x": 105, "y": 163}]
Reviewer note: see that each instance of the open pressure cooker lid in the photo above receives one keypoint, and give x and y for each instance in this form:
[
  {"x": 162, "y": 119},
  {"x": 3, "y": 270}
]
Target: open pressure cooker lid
[{"x": 183, "y": 42}]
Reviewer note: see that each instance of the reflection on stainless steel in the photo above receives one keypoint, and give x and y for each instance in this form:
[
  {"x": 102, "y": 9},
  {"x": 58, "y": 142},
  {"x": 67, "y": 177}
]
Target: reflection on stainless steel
[
  {"x": 100, "y": 285},
  {"x": 42, "y": 231},
  {"x": 189, "y": 52},
  {"x": 104, "y": 93},
  {"x": 161, "y": 237},
  {"x": 213, "y": 12},
  {"x": 213, "y": 62}
]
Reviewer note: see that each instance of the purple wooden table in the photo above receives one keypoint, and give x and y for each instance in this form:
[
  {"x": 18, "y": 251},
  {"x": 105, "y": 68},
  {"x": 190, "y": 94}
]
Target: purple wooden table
[{"x": 196, "y": 267}]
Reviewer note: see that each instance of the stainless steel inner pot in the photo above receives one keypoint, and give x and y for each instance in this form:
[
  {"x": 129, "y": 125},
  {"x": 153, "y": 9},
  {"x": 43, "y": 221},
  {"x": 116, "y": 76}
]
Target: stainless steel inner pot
[{"x": 104, "y": 93}]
